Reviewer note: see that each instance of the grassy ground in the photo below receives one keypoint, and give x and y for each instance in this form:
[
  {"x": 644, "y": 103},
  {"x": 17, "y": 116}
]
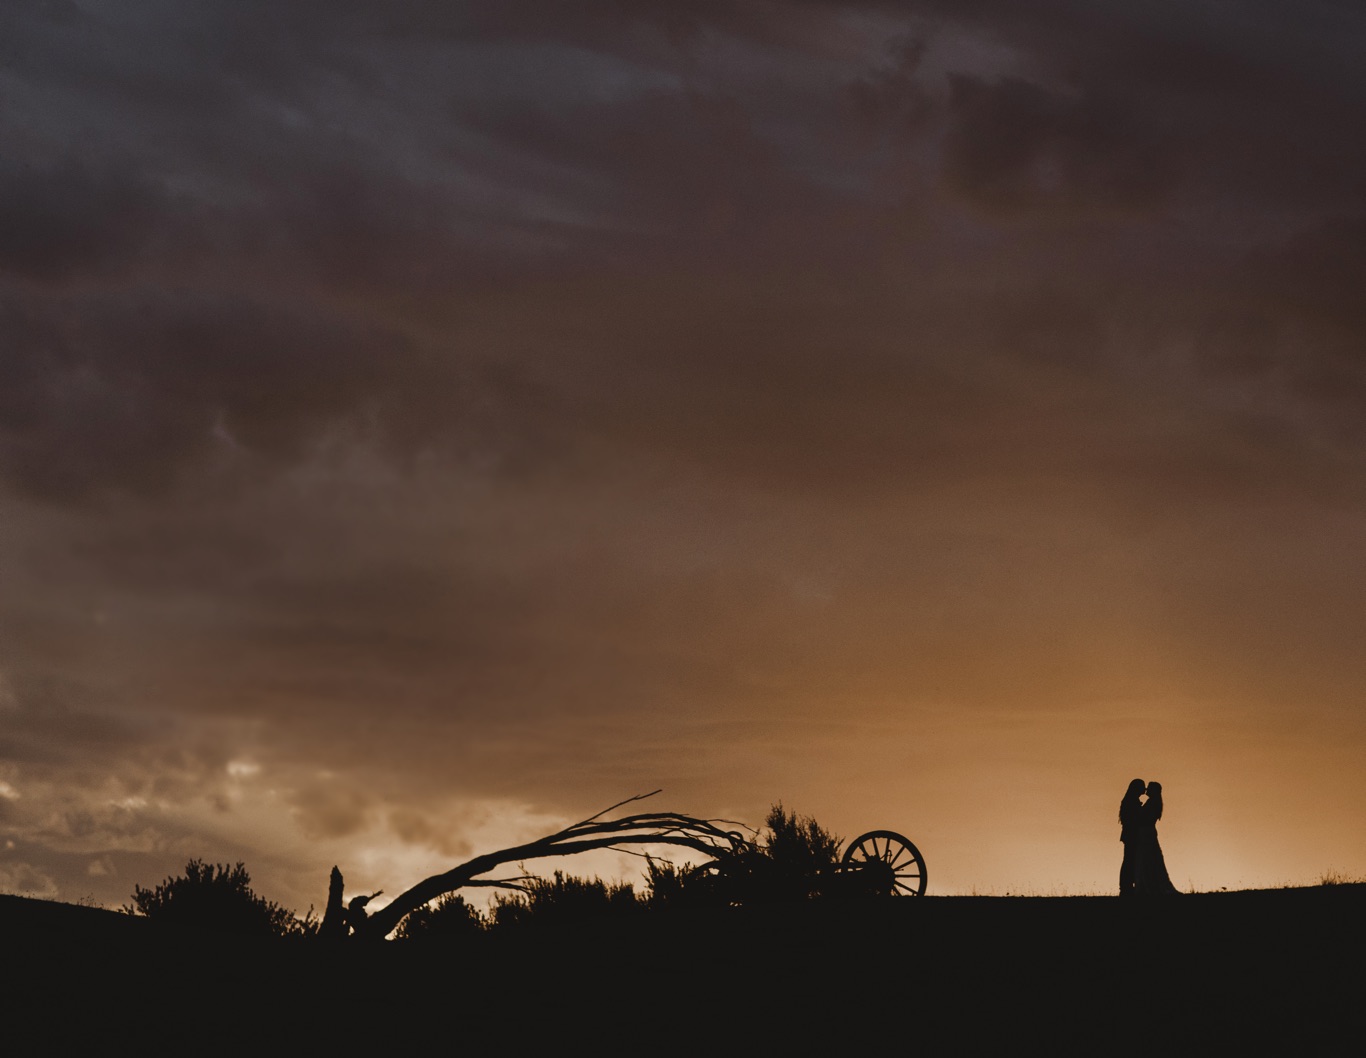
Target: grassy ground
[{"x": 1218, "y": 973}]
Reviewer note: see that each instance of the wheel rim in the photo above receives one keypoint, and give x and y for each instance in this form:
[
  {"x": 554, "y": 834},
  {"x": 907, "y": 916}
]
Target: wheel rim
[{"x": 903, "y": 859}]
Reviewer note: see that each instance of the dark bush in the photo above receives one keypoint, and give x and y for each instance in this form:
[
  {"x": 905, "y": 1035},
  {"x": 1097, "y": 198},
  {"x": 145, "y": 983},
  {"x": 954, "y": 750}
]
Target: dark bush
[
  {"x": 801, "y": 855},
  {"x": 219, "y": 898},
  {"x": 669, "y": 886},
  {"x": 449, "y": 918},
  {"x": 564, "y": 899},
  {"x": 793, "y": 859}
]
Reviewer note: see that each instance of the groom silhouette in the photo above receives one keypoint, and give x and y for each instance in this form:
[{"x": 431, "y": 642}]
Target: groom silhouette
[{"x": 1129, "y": 826}]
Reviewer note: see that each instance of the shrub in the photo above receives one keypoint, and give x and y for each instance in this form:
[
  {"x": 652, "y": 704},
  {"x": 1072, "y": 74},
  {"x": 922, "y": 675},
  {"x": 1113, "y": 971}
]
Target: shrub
[
  {"x": 562, "y": 899},
  {"x": 668, "y": 886},
  {"x": 450, "y": 918},
  {"x": 793, "y": 859},
  {"x": 216, "y": 897},
  {"x": 801, "y": 854}
]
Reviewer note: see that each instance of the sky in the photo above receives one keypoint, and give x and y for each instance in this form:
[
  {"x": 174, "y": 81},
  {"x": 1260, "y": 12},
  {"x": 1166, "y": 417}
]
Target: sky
[{"x": 423, "y": 425}]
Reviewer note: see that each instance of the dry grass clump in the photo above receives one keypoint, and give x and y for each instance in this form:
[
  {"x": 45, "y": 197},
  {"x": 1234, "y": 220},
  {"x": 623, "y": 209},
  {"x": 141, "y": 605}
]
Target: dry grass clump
[{"x": 1333, "y": 876}]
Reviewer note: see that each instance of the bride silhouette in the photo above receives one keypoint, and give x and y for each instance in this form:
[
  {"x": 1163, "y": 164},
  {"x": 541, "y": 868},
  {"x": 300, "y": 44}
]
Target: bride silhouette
[{"x": 1149, "y": 865}]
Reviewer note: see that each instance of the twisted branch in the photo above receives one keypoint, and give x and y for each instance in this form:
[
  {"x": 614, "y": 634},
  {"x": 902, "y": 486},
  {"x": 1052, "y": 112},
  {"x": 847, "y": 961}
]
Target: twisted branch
[{"x": 706, "y": 836}]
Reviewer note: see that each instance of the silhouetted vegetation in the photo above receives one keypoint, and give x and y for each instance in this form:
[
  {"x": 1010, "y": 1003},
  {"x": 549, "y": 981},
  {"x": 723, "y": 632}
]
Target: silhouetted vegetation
[
  {"x": 669, "y": 885},
  {"x": 706, "y": 836},
  {"x": 794, "y": 858},
  {"x": 449, "y": 918},
  {"x": 564, "y": 898},
  {"x": 1333, "y": 876},
  {"x": 560, "y": 899},
  {"x": 219, "y": 898},
  {"x": 801, "y": 852}
]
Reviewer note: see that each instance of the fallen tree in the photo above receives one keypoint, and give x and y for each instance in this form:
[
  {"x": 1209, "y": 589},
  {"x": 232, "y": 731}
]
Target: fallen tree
[{"x": 706, "y": 836}]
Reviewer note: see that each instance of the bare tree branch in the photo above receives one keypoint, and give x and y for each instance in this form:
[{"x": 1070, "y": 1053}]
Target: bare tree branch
[
  {"x": 645, "y": 828},
  {"x": 613, "y": 808}
]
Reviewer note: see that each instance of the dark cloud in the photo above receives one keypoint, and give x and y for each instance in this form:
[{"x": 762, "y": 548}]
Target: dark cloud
[
  {"x": 62, "y": 222},
  {"x": 126, "y": 394},
  {"x": 1312, "y": 276},
  {"x": 1015, "y": 146}
]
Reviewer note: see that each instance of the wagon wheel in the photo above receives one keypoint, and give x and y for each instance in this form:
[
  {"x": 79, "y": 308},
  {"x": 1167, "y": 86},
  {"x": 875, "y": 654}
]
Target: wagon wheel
[{"x": 902, "y": 859}]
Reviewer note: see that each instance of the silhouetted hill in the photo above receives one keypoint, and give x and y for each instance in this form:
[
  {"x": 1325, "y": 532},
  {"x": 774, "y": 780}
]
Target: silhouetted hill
[{"x": 1211, "y": 973}]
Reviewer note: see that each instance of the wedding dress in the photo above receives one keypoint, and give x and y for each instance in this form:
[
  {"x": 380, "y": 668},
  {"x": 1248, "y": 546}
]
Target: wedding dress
[{"x": 1150, "y": 868}]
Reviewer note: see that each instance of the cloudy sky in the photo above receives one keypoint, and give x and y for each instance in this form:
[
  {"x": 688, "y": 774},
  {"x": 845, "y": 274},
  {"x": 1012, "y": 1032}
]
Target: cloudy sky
[{"x": 423, "y": 424}]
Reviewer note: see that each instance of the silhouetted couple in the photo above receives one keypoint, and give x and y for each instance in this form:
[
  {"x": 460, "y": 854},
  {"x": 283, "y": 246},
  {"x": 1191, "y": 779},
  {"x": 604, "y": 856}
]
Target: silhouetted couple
[{"x": 1144, "y": 871}]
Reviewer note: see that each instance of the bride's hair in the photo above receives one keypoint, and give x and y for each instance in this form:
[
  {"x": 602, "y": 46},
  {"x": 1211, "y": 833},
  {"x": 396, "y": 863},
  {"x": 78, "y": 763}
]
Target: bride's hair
[
  {"x": 1155, "y": 799},
  {"x": 1131, "y": 796}
]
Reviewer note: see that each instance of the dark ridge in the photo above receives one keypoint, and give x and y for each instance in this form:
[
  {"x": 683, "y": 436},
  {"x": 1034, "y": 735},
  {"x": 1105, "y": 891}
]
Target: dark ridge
[{"x": 1210, "y": 973}]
